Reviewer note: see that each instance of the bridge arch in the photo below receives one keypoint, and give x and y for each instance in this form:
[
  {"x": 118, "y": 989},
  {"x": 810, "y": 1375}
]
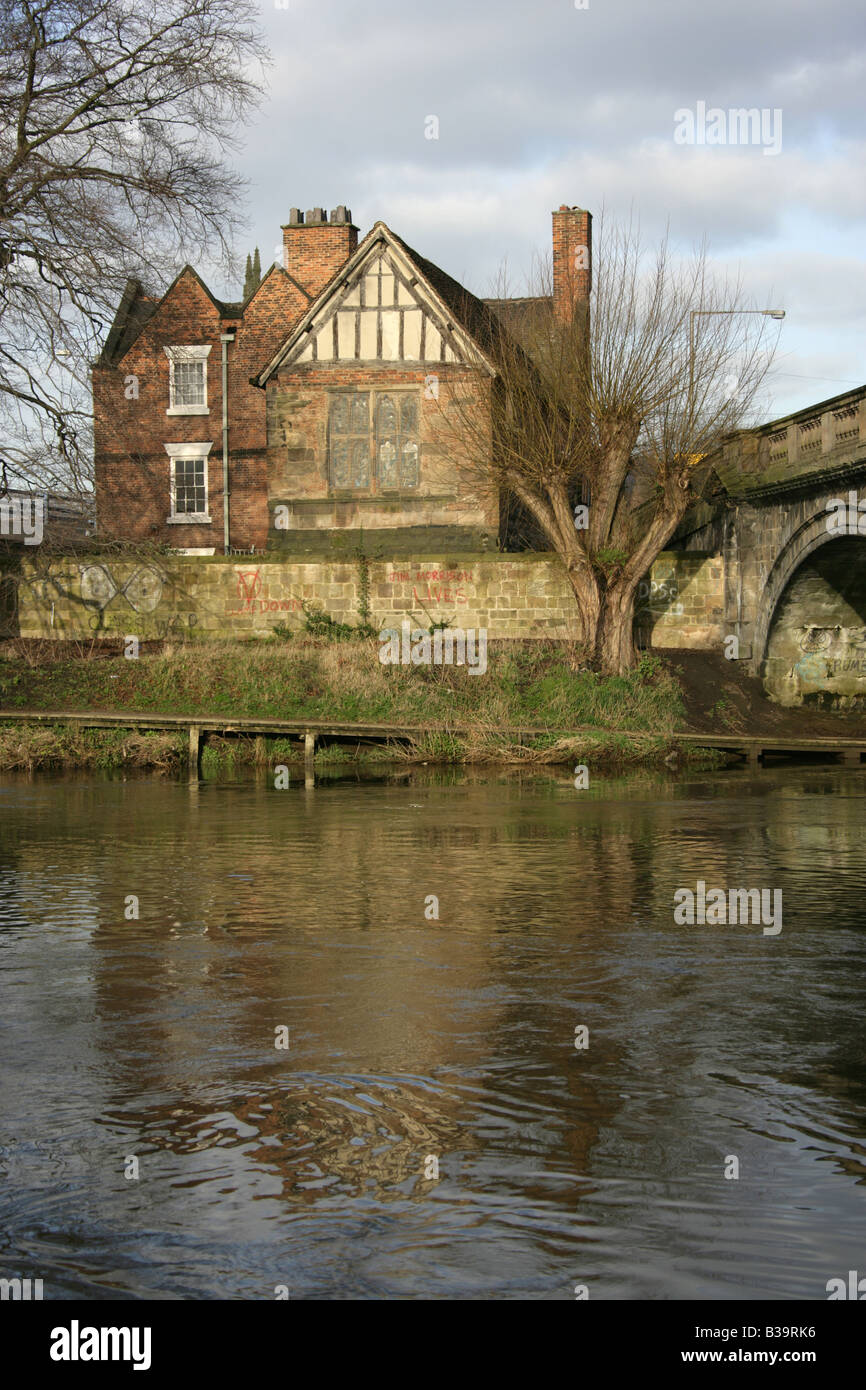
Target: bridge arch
[{"x": 809, "y": 536}]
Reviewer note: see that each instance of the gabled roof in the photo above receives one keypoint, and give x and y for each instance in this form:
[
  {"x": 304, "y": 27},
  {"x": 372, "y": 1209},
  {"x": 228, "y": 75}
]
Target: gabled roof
[
  {"x": 137, "y": 308},
  {"x": 134, "y": 310},
  {"x": 464, "y": 320},
  {"x": 473, "y": 313},
  {"x": 273, "y": 269}
]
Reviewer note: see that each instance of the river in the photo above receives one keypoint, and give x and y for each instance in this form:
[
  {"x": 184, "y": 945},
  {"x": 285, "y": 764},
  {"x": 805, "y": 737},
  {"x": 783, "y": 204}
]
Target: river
[{"x": 242, "y": 1057}]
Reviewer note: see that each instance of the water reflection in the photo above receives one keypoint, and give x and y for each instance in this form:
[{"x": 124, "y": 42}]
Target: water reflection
[{"x": 153, "y": 1037}]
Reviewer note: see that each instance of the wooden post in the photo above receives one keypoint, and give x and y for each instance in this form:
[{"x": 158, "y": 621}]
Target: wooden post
[
  {"x": 194, "y": 751},
  {"x": 851, "y": 757},
  {"x": 260, "y": 754},
  {"x": 754, "y": 755},
  {"x": 309, "y": 754}
]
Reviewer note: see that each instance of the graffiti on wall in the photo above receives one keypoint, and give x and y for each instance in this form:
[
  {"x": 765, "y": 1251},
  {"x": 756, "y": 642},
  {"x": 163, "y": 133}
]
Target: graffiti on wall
[
  {"x": 830, "y": 652},
  {"x": 142, "y": 589},
  {"x": 658, "y": 597},
  {"x": 427, "y": 585},
  {"x": 250, "y": 601}
]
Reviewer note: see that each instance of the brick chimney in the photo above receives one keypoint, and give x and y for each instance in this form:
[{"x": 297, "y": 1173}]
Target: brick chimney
[
  {"x": 314, "y": 248},
  {"x": 572, "y": 262}
]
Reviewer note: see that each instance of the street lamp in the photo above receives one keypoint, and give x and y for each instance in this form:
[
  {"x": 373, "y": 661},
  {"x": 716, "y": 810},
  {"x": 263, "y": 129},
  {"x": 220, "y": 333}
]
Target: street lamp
[{"x": 768, "y": 313}]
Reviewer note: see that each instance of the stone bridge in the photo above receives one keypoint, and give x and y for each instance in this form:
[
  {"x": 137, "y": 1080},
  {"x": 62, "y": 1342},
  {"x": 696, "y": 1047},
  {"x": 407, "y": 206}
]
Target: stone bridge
[{"x": 794, "y": 556}]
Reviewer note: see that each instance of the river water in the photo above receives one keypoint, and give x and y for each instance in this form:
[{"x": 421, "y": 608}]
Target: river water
[{"x": 157, "y": 1142}]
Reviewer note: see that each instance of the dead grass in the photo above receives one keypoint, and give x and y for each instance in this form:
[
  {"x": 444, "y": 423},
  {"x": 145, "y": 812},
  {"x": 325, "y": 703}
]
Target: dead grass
[{"x": 30, "y": 749}]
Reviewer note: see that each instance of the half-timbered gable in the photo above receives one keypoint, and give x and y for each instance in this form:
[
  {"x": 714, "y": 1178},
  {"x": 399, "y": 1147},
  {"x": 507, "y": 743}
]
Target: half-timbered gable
[
  {"x": 381, "y": 310},
  {"x": 354, "y": 400}
]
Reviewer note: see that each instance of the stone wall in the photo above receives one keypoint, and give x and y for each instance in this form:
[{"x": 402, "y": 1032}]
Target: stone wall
[
  {"x": 448, "y": 493},
  {"x": 681, "y": 603},
  {"x": 512, "y": 596},
  {"x": 785, "y": 482}
]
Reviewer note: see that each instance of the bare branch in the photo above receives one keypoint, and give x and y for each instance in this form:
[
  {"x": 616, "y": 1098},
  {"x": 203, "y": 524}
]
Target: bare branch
[
  {"x": 115, "y": 121},
  {"x": 612, "y": 407}
]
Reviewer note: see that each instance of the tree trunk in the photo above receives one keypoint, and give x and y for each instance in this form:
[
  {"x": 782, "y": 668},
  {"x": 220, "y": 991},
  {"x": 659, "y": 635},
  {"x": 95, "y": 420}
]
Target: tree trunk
[
  {"x": 587, "y": 593},
  {"x": 606, "y": 608},
  {"x": 615, "y": 647},
  {"x": 607, "y": 620}
]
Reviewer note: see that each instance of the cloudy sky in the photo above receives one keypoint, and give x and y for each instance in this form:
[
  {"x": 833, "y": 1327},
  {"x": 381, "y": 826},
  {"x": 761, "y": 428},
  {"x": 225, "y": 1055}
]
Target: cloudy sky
[{"x": 541, "y": 103}]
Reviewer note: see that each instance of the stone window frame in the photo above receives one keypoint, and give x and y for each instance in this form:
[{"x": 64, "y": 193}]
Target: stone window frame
[
  {"x": 188, "y": 451},
  {"x": 374, "y": 394},
  {"x": 194, "y": 352}
]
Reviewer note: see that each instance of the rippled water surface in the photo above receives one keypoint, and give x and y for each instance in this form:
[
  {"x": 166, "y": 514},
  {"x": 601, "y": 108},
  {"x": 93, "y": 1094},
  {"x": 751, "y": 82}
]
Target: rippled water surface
[{"x": 412, "y": 1039}]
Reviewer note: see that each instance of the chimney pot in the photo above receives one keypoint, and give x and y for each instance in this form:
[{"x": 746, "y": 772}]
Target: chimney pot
[{"x": 314, "y": 249}]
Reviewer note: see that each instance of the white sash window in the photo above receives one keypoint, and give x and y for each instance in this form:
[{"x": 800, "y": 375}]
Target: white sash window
[{"x": 187, "y": 380}]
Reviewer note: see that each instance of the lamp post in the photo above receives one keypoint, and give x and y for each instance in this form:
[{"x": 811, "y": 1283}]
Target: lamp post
[{"x": 768, "y": 313}]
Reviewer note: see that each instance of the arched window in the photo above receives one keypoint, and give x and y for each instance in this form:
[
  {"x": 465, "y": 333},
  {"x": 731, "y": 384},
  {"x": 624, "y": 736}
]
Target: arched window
[
  {"x": 408, "y": 441},
  {"x": 373, "y": 440},
  {"x": 397, "y": 440},
  {"x": 349, "y": 440}
]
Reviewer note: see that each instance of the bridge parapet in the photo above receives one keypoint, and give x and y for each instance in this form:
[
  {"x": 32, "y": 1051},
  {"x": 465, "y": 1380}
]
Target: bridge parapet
[{"x": 820, "y": 439}]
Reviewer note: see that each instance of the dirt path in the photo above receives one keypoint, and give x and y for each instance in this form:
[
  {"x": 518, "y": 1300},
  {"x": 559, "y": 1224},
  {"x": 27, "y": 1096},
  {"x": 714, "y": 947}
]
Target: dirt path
[{"x": 721, "y": 698}]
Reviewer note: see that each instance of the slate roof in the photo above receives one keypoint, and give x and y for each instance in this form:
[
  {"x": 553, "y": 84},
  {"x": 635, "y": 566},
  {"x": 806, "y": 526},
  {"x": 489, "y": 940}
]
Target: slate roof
[
  {"x": 489, "y": 321},
  {"x": 474, "y": 315},
  {"x": 522, "y": 316}
]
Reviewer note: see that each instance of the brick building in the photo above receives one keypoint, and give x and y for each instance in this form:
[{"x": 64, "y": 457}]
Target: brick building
[{"x": 318, "y": 398}]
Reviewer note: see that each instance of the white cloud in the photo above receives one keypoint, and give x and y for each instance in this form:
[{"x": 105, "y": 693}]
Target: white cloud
[{"x": 544, "y": 104}]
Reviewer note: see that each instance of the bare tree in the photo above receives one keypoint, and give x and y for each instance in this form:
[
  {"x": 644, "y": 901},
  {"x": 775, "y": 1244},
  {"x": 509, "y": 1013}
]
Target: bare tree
[
  {"x": 583, "y": 404},
  {"x": 115, "y": 120}
]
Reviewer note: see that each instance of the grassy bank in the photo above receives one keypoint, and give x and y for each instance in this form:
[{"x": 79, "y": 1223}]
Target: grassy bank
[
  {"x": 46, "y": 748},
  {"x": 312, "y": 678},
  {"x": 535, "y": 685},
  {"x": 24, "y": 749}
]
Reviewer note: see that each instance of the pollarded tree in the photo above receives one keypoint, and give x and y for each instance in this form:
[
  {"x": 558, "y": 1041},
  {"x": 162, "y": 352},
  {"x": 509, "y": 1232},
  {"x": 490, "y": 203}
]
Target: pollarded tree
[
  {"x": 115, "y": 120},
  {"x": 646, "y": 378}
]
